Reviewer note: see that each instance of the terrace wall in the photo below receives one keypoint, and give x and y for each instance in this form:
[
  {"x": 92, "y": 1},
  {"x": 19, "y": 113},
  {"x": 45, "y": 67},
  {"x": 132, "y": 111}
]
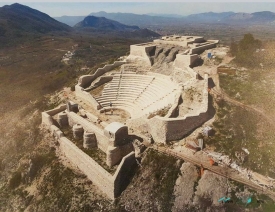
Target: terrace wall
[
  {"x": 182, "y": 60},
  {"x": 199, "y": 49},
  {"x": 141, "y": 51},
  {"x": 123, "y": 172},
  {"x": 47, "y": 115},
  {"x": 165, "y": 129},
  {"x": 79, "y": 92},
  {"x": 86, "y": 80},
  {"x": 98, "y": 175},
  {"x": 112, "y": 186}
]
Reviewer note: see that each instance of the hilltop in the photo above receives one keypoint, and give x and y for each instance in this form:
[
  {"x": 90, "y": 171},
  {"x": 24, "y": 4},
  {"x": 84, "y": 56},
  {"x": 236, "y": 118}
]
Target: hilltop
[
  {"x": 263, "y": 17},
  {"x": 19, "y": 18},
  {"x": 103, "y": 24}
]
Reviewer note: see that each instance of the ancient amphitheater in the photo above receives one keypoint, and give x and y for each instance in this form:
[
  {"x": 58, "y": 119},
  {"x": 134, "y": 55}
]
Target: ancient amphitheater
[{"x": 152, "y": 95}]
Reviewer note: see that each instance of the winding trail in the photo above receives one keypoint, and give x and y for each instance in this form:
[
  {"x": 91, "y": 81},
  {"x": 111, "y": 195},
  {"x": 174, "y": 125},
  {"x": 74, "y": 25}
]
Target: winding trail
[
  {"x": 201, "y": 159},
  {"x": 227, "y": 98}
]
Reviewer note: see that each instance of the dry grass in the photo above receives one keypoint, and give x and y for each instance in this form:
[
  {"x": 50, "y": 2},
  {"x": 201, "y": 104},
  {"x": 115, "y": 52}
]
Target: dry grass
[{"x": 236, "y": 127}]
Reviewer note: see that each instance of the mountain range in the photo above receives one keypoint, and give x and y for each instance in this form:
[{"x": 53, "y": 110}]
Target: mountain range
[
  {"x": 102, "y": 23},
  {"x": 17, "y": 20},
  {"x": 105, "y": 26},
  {"x": 264, "y": 17}
]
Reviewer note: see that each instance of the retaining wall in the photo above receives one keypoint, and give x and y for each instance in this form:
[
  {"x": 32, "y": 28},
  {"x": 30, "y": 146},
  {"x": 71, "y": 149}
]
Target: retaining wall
[
  {"x": 174, "y": 107},
  {"x": 91, "y": 117},
  {"x": 56, "y": 132},
  {"x": 123, "y": 172},
  {"x": 183, "y": 43},
  {"x": 101, "y": 81},
  {"x": 182, "y": 60},
  {"x": 202, "y": 48},
  {"x": 165, "y": 129},
  {"x": 47, "y": 115},
  {"x": 112, "y": 186},
  {"x": 86, "y": 80},
  {"x": 141, "y": 51},
  {"x": 79, "y": 92},
  {"x": 98, "y": 175}
]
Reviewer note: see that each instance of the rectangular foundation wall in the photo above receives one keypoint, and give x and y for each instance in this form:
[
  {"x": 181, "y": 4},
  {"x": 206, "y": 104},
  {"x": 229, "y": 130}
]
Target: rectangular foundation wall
[{"x": 99, "y": 176}]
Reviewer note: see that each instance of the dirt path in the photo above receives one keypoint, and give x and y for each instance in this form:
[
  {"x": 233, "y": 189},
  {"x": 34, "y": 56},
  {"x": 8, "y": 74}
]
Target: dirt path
[
  {"x": 61, "y": 50},
  {"x": 227, "y": 98},
  {"x": 200, "y": 159}
]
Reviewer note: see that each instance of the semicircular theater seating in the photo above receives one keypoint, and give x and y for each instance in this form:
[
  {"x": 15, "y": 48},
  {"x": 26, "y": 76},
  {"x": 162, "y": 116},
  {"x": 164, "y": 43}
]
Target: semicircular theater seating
[{"x": 138, "y": 94}]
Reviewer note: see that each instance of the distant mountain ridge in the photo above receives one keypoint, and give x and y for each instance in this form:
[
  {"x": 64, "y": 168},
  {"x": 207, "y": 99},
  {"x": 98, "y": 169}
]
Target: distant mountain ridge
[
  {"x": 19, "y": 22},
  {"x": 103, "y": 23},
  {"x": 135, "y": 19},
  {"x": 19, "y": 18},
  {"x": 264, "y": 17},
  {"x": 208, "y": 17}
]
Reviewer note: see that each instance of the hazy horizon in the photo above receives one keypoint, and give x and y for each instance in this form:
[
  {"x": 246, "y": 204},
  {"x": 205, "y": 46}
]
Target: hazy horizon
[{"x": 56, "y": 9}]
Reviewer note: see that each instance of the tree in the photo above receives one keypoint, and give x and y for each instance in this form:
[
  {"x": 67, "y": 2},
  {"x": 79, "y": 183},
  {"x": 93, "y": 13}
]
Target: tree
[
  {"x": 233, "y": 47},
  {"x": 249, "y": 43},
  {"x": 244, "y": 50}
]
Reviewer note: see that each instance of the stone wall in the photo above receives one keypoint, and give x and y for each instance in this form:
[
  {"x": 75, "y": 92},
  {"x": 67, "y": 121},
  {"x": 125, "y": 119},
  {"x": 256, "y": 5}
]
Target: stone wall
[
  {"x": 56, "y": 132},
  {"x": 111, "y": 185},
  {"x": 199, "y": 49},
  {"x": 98, "y": 175},
  {"x": 101, "y": 81},
  {"x": 47, "y": 119},
  {"x": 174, "y": 106},
  {"x": 181, "y": 41},
  {"x": 86, "y": 80},
  {"x": 47, "y": 115},
  {"x": 79, "y": 92},
  {"x": 183, "y": 61},
  {"x": 91, "y": 117},
  {"x": 123, "y": 173},
  {"x": 141, "y": 52},
  {"x": 165, "y": 129}
]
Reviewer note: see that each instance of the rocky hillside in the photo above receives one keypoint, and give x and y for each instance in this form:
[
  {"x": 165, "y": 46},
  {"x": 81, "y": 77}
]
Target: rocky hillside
[
  {"x": 102, "y": 23},
  {"x": 104, "y": 26},
  {"x": 18, "y": 18}
]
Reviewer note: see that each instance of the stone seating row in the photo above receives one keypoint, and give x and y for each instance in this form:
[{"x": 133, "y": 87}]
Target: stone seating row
[
  {"x": 130, "y": 99},
  {"x": 145, "y": 105},
  {"x": 137, "y": 94},
  {"x": 128, "y": 95},
  {"x": 133, "y": 94}
]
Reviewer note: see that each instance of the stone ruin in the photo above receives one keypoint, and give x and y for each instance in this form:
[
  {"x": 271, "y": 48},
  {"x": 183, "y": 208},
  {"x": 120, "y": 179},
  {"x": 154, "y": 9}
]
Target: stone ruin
[{"x": 165, "y": 100}]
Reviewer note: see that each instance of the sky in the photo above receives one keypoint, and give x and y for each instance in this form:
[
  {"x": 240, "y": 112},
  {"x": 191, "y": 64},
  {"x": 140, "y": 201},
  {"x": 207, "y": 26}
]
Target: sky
[{"x": 183, "y": 7}]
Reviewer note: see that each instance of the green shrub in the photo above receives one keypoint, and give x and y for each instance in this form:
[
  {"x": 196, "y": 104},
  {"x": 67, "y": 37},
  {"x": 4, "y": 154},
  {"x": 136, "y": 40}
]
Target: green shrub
[
  {"x": 244, "y": 50},
  {"x": 15, "y": 180}
]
